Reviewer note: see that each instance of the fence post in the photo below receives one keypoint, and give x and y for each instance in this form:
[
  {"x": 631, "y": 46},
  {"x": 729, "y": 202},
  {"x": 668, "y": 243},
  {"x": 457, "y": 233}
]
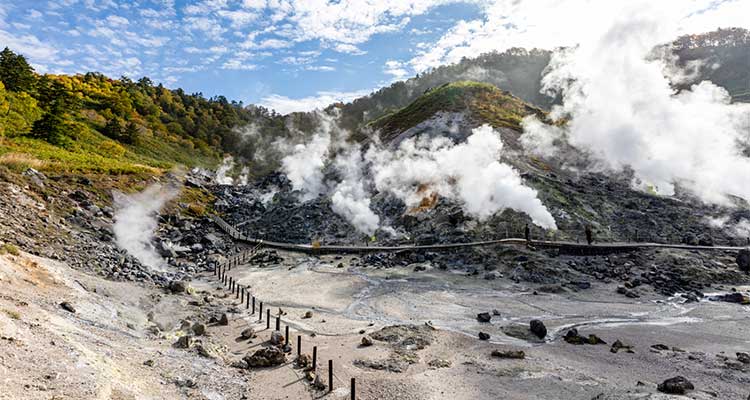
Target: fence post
[
  {"x": 247, "y": 300},
  {"x": 299, "y": 345},
  {"x": 330, "y": 375},
  {"x": 268, "y": 319},
  {"x": 315, "y": 357},
  {"x": 253, "y": 306},
  {"x": 354, "y": 391},
  {"x": 260, "y": 314},
  {"x": 242, "y": 295},
  {"x": 286, "y": 341},
  {"x": 278, "y": 323}
]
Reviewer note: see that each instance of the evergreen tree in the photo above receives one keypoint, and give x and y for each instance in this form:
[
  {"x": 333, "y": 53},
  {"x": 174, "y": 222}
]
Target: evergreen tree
[
  {"x": 113, "y": 129},
  {"x": 51, "y": 127},
  {"x": 15, "y": 72},
  {"x": 130, "y": 134}
]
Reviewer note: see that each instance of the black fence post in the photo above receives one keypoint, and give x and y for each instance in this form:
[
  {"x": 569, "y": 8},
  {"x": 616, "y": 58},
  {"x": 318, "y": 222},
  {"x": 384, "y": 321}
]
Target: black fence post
[
  {"x": 299, "y": 345},
  {"x": 247, "y": 299},
  {"x": 278, "y": 323},
  {"x": 253, "y": 306},
  {"x": 260, "y": 314},
  {"x": 330, "y": 375},
  {"x": 315, "y": 357},
  {"x": 286, "y": 340},
  {"x": 268, "y": 319},
  {"x": 354, "y": 391}
]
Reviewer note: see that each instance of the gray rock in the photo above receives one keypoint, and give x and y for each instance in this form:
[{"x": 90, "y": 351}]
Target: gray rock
[
  {"x": 676, "y": 385},
  {"x": 266, "y": 357},
  {"x": 184, "y": 342},
  {"x": 743, "y": 260},
  {"x": 537, "y": 328},
  {"x": 67, "y": 307},
  {"x": 514, "y": 354},
  {"x": 224, "y": 319},
  {"x": 248, "y": 333},
  {"x": 366, "y": 341},
  {"x": 484, "y": 317},
  {"x": 277, "y": 338},
  {"x": 199, "y": 329}
]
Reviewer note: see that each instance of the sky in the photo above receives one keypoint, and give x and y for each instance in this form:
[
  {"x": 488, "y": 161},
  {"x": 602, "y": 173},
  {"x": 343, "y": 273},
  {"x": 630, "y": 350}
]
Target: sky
[{"x": 297, "y": 55}]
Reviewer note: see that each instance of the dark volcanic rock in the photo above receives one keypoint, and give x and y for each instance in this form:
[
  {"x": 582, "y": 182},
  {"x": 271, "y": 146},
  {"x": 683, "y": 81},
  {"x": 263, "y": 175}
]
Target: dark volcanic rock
[
  {"x": 537, "y": 327},
  {"x": 676, "y": 385},
  {"x": 484, "y": 317},
  {"x": 67, "y": 307},
  {"x": 267, "y": 357},
  {"x": 743, "y": 260},
  {"x": 514, "y": 354},
  {"x": 484, "y": 336}
]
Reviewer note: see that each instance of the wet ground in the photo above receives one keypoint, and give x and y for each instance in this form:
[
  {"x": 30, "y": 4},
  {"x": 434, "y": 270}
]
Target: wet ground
[{"x": 701, "y": 338}]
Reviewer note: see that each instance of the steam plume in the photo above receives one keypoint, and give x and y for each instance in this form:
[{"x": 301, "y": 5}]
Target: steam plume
[
  {"x": 469, "y": 172},
  {"x": 136, "y": 221},
  {"x": 350, "y": 198},
  {"x": 222, "y": 177},
  {"x": 622, "y": 111}
]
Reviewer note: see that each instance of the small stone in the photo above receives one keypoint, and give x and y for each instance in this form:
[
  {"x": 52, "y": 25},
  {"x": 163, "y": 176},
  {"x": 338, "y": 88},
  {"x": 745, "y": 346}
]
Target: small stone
[
  {"x": 224, "y": 319},
  {"x": 149, "y": 363},
  {"x": 660, "y": 347},
  {"x": 619, "y": 345},
  {"x": 439, "y": 363},
  {"x": 366, "y": 341},
  {"x": 248, "y": 333},
  {"x": 496, "y": 313},
  {"x": 303, "y": 361},
  {"x": 184, "y": 342},
  {"x": 484, "y": 317},
  {"x": 676, "y": 385},
  {"x": 743, "y": 358},
  {"x": 308, "y": 314},
  {"x": 484, "y": 336},
  {"x": 179, "y": 286},
  {"x": 537, "y": 327},
  {"x": 277, "y": 338},
  {"x": 199, "y": 329},
  {"x": 67, "y": 307},
  {"x": 513, "y": 354}
]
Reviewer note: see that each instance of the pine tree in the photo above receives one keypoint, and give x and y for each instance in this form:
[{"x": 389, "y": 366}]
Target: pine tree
[
  {"x": 130, "y": 134},
  {"x": 15, "y": 72}
]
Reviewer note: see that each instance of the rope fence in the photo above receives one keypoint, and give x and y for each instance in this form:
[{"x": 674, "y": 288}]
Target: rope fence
[{"x": 243, "y": 294}]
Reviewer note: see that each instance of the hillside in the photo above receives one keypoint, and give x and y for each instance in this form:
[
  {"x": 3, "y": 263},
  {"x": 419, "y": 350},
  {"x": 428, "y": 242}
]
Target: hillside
[
  {"x": 94, "y": 123},
  {"x": 482, "y": 102}
]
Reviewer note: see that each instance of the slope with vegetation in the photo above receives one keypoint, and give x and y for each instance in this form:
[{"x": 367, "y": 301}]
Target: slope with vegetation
[
  {"x": 94, "y": 123},
  {"x": 482, "y": 102}
]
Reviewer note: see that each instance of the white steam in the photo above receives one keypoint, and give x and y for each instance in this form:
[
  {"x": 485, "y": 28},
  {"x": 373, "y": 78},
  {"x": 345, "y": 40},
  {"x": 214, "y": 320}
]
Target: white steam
[
  {"x": 136, "y": 221},
  {"x": 468, "y": 172},
  {"x": 222, "y": 174},
  {"x": 622, "y": 111},
  {"x": 350, "y": 199},
  {"x": 242, "y": 179}
]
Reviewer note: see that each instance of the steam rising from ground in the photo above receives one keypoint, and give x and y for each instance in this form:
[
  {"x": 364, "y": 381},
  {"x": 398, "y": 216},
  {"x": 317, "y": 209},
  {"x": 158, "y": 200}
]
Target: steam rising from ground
[
  {"x": 623, "y": 112},
  {"x": 350, "y": 198},
  {"x": 136, "y": 221},
  {"x": 468, "y": 172},
  {"x": 222, "y": 174}
]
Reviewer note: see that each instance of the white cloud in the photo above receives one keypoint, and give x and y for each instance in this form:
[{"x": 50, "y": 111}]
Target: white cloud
[
  {"x": 349, "y": 48},
  {"x": 395, "y": 68},
  {"x": 553, "y": 23},
  {"x": 286, "y": 105},
  {"x": 238, "y": 65},
  {"x": 117, "y": 21},
  {"x": 239, "y": 18}
]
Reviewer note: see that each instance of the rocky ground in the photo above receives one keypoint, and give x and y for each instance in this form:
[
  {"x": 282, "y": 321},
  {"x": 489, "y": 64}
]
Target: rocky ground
[{"x": 81, "y": 319}]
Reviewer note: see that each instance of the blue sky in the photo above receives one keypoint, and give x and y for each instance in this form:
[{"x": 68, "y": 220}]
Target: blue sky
[{"x": 298, "y": 54}]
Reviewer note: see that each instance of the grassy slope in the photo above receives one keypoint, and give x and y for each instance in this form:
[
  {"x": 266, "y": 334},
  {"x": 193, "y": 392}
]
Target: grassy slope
[{"x": 484, "y": 102}]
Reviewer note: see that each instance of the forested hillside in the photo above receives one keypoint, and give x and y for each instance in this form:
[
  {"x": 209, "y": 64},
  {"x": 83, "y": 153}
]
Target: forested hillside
[{"x": 92, "y": 122}]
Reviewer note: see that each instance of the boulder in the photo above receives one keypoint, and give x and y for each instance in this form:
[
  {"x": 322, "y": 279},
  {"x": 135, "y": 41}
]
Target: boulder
[
  {"x": 676, "y": 385},
  {"x": 199, "y": 329},
  {"x": 224, "y": 319},
  {"x": 743, "y": 260},
  {"x": 514, "y": 354},
  {"x": 277, "y": 339},
  {"x": 266, "y": 357},
  {"x": 308, "y": 314},
  {"x": 184, "y": 342},
  {"x": 537, "y": 327},
  {"x": 366, "y": 341},
  {"x": 743, "y": 358},
  {"x": 484, "y": 317},
  {"x": 67, "y": 307},
  {"x": 484, "y": 336},
  {"x": 248, "y": 333},
  {"x": 179, "y": 286}
]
